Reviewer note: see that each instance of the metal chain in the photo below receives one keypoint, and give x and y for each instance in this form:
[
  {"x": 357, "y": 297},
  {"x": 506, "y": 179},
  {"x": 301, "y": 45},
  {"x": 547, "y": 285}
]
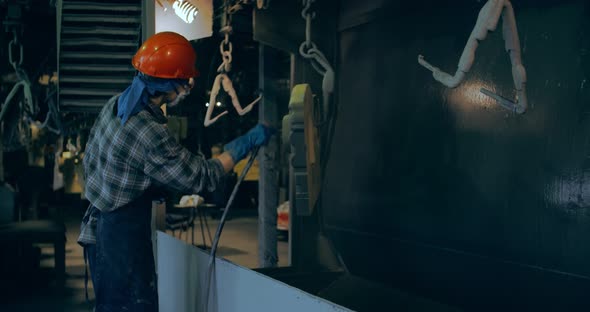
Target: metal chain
[
  {"x": 226, "y": 47},
  {"x": 11, "y": 45},
  {"x": 318, "y": 60},
  {"x": 308, "y": 49},
  {"x": 26, "y": 103},
  {"x": 307, "y": 16},
  {"x": 222, "y": 80}
]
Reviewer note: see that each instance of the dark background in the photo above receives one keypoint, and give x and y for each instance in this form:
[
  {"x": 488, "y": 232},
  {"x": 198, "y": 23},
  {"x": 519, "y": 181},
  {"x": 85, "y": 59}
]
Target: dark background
[{"x": 443, "y": 192}]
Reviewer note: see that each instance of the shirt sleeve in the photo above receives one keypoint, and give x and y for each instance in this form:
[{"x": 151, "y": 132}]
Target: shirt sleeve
[{"x": 173, "y": 166}]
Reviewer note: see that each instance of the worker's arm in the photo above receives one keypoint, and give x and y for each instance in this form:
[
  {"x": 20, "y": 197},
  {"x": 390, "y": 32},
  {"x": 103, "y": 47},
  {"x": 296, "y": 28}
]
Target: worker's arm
[
  {"x": 239, "y": 148},
  {"x": 172, "y": 165},
  {"x": 226, "y": 161}
]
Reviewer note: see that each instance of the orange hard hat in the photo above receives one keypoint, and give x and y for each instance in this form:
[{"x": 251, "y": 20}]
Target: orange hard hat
[{"x": 166, "y": 55}]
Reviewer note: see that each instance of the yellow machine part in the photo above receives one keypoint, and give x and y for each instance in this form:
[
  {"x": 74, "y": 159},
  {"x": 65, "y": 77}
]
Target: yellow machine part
[{"x": 302, "y": 96}]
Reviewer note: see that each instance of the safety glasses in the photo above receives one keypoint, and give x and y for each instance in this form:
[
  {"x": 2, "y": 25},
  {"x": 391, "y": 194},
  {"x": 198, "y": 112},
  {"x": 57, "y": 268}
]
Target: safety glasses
[{"x": 186, "y": 88}]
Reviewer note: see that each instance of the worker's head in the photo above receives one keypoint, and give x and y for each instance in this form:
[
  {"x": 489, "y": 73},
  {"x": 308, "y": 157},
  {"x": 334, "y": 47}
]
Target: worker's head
[
  {"x": 167, "y": 60},
  {"x": 166, "y": 65}
]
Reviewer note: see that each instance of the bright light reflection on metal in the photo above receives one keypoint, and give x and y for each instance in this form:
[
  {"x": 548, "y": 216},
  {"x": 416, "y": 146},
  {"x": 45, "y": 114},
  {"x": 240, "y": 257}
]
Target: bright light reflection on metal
[{"x": 185, "y": 10}]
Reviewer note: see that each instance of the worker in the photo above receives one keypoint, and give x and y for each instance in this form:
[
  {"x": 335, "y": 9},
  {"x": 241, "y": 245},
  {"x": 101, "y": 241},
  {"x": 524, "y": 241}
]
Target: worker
[{"x": 129, "y": 156}]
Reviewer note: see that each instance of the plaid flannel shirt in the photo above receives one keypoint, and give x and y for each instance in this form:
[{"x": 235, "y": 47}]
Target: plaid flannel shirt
[{"x": 122, "y": 161}]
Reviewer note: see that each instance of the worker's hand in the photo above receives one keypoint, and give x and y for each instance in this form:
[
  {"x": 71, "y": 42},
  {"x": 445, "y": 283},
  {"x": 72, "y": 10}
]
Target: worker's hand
[{"x": 257, "y": 136}]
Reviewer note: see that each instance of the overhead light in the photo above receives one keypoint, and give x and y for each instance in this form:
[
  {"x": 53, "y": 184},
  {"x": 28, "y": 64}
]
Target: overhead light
[
  {"x": 207, "y": 104},
  {"x": 218, "y": 104},
  {"x": 185, "y": 10}
]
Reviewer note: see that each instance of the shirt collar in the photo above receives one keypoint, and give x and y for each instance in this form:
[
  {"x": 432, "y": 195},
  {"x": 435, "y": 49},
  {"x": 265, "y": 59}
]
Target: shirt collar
[{"x": 157, "y": 112}]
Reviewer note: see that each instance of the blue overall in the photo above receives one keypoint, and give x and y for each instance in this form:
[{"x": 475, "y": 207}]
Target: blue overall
[{"x": 122, "y": 262}]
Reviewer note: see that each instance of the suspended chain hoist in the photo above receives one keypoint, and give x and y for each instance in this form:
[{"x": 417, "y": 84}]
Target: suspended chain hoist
[
  {"x": 309, "y": 50},
  {"x": 26, "y": 104},
  {"x": 21, "y": 90},
  {"x": 23, "y": 80},
  {"x": 222, "y": 80}
]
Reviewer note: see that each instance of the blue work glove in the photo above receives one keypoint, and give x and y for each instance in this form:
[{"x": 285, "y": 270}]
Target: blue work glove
[{"x": 241, "y": 146}]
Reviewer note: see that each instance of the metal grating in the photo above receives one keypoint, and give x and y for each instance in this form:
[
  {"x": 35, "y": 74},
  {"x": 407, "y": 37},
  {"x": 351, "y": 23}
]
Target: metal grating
[{"x": 96, "y": 43}]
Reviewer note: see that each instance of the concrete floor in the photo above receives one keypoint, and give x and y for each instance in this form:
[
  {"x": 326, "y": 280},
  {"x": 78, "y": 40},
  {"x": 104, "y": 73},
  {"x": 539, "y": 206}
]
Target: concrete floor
[{"x": 238, "y": 244}]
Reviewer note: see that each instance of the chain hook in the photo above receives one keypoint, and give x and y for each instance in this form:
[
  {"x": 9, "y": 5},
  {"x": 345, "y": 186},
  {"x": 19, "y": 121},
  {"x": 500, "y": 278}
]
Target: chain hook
[{"x": 222, "y": 80}]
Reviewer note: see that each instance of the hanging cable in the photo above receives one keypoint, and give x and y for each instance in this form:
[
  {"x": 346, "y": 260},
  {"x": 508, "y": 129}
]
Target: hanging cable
[{"x": 211, "y": 266}]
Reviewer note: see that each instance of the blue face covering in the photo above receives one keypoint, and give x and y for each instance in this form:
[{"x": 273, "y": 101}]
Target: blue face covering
[{"x": 136, "y": 96}]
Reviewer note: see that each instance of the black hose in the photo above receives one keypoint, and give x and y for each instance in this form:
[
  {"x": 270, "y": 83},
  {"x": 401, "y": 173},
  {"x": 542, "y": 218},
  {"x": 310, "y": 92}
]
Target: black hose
[{"x": 221, "y": 224}]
